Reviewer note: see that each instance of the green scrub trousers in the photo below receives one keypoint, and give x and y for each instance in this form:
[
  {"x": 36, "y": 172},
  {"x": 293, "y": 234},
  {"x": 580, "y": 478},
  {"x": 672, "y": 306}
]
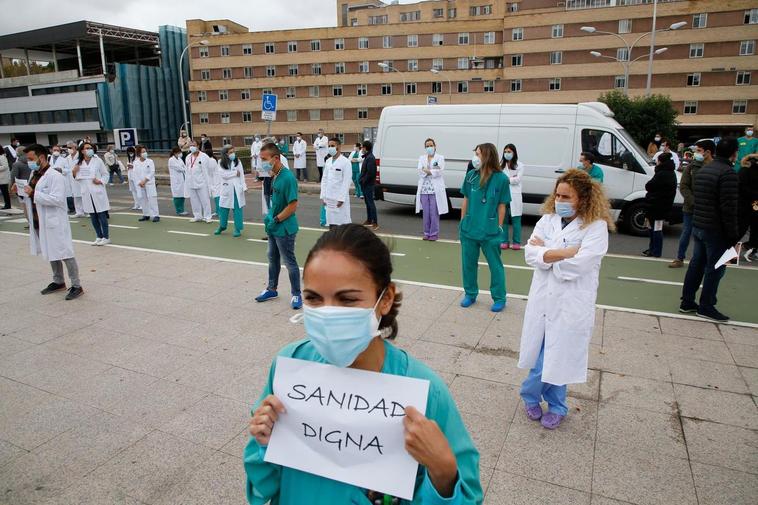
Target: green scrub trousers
[
  {"x": 223, "y": 216},
  {"x": 356, "y": 179},
  {"x": 179, "y": 205},
  {"x": 490, "y": 247}
]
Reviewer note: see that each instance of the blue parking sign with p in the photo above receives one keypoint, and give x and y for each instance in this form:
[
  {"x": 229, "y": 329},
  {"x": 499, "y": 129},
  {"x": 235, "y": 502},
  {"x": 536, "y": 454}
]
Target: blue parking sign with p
[{"x": 125, "y": 137}]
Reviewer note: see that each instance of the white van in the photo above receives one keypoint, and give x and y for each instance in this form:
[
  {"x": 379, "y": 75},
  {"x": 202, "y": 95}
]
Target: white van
[{"x": 549, "y": 139}]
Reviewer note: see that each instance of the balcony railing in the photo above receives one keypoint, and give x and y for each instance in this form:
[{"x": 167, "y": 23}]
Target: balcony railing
[{"x": 600, "y": 4}]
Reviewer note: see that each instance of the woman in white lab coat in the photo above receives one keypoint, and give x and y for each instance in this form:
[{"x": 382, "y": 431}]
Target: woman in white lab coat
[
  {"x": 196, "y": 184},
  {"x": 565, "y": 249},
  {"x": 514, "y": 169},
  {"x": 92, "y": 176},
  {"x": 130, "y": 157},
  {"x": 144, "y": 177},
  {"x": 71, "y": 182},
  {"x": 430, "y": 194},
  {"x": 177, "y": 172},
  {"x": 214, "y": 183},
  {"x": 232, "y": 192},
  {"x": 335, "y": 185}
]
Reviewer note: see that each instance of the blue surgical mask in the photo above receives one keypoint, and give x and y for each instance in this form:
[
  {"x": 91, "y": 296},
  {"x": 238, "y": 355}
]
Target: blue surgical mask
[
  {"x": 564, "y": 209},
  {"x": 233, "y": 156},
  {"x": 266, "y": 166},
  {"x": 143, "y": 155},
  {"x": 698, "y": 157},
  {"x": 193, "y": 149},
  {"x": 33, "y": 165},
  {"x": 508, "y": 156},
  {"x": 476, "y": 162},
  {"x": 90, "y": 152},
  {"x": 332, "y": 151},
  {"x": 430, "y": 151},
  {"x": 340, "y": 334}
]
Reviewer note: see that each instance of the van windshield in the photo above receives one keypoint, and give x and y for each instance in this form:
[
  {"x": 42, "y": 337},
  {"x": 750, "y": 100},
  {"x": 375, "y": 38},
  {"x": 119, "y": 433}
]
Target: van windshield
[{"x": 637, "y": 149}]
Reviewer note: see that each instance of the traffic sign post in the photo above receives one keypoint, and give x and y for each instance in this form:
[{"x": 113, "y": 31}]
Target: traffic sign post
[
  {"x": 431, "y": 100},
  {"x": 268, "y": 110}
]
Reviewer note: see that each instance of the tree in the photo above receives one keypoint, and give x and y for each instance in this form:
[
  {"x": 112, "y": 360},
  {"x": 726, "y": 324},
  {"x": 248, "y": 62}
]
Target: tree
[{"x": 643, "y": 117}]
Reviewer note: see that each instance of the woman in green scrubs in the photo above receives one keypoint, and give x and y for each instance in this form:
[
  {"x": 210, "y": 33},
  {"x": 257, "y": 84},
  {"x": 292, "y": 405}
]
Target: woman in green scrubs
[
  {"x": 486, "y": 192},
  {"x": 347, "y": 272}
]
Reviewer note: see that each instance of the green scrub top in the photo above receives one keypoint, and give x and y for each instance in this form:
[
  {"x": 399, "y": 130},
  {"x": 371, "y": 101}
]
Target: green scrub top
[
  {"x": 284, "y": 193},
  {"x": 287, "y": 486},
  {"x": 284, "y": 148},
  {"x": 481, "y": 219},
  {"x": 746, "y": 146},
  {"x": 354, "y": 160},
  {"x": 596, "y": 173}
]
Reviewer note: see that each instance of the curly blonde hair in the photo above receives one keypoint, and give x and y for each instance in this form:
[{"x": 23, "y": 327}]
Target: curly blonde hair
[{"x": 593, "y": 204}]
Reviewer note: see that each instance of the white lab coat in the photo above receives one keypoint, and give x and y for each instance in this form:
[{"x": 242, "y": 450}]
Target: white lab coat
[
  {"x": 145, "y": 169},
  {"x": 73, "y": 188},
  {"x": 299, "y": 148},
  {"x": 561, "y": 304},
  {"x": 196, "y": 175},
  {"x": 214, "y": 181},
  {"x": 54, "y": 234},
  {"x": 335, "y": 187},
  {"x": 674, "y": 157},
  {"x": 517, "y": 201},
  {"x": 176, "y": 172},
  {"x": 94, "y": 196},
  {"x": 232, "y": 181},
  {"x": 255, "y": 152},
  {"x": 438, "y": 181},
  {"x": 321, "y": 145}
]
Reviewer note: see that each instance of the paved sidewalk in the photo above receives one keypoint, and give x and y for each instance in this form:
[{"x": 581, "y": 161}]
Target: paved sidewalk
[{"x": 132, "y": 395}]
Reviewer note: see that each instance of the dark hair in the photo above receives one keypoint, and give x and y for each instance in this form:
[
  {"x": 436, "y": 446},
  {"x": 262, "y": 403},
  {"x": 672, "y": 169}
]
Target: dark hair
[
  {"x": 271, "y": 148},
  {"x": 336, "y": 141},
  {"x": 300, "y": 133},
  {"x": 707, "y": 145},
  {"x": 367, "y": 145},
  {"x": 666, "y": 159},
  {"x": 514, "y": 162},
  {"x": 138, "y": 148},
  {"x": 589, "y": 156},
  {"x": 430, "y": 140},
  {"x": 358, "y": 145},
  {"x": 81, "y": 150},
  {"x": 174, "y": 151},
  {"x": 363, "y": 245},
  {"x": 37, "y": 149},
  {"x": 726, "y": 147}
]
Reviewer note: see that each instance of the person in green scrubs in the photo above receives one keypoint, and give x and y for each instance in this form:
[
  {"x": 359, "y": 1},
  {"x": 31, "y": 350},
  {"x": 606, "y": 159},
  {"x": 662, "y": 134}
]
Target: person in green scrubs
[
  {"x": 747, "y": 145},
  {"x": 587, "y": 163},
  {"x": 486, "y": 192},
  {"x": 355, "y": 160},
  {"x": 350, "y": 315}
]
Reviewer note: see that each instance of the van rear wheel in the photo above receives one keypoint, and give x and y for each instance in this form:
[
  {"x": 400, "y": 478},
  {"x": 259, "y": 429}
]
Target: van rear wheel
[{"x": 634, "y": 219}]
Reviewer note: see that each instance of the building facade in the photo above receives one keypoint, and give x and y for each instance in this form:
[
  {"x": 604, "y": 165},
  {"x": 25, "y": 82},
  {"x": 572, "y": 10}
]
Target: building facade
[{"x": 474, "y": 51}]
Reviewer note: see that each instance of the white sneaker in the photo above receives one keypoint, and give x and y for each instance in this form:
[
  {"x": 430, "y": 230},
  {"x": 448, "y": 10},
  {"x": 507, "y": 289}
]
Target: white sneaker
[
  {"x": 209, "y": 220},
  {"x": 96, "y": 242},
  {"x": 749, "y": 255},
  {"x": 105, "y": 241},
  {"x": 195, "y": 220}
]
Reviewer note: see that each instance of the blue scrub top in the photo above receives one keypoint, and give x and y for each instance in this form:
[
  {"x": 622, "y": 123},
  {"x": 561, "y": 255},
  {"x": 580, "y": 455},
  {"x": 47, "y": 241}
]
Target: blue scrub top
[
  {"x": 287, "y": 486},
  {"x": 481, "y": 221}
]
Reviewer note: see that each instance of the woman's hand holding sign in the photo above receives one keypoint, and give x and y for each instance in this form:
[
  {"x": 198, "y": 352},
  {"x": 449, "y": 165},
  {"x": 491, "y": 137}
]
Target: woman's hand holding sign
[
  {"x": 426, "y": 443},
  {"x": 264, "y": 418}
]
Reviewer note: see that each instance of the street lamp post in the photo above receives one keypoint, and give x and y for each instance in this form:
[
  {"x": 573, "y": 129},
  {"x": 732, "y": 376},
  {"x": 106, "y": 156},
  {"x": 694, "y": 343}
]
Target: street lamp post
[
  {"x": 181, "y": 81},
  {"x": 630, "y": 48},
  {"x": 436, "y": 71},
  {"x": 626, "y": 64},
  {"x": 390, "y": 67}
]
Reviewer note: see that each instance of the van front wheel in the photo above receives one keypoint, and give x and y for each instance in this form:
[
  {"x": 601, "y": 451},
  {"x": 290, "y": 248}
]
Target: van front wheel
[{"x": 634, "y": 219}]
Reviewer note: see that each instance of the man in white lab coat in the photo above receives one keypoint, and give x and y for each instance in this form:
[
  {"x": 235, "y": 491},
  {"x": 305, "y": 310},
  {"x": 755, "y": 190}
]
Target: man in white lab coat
[
  {"x": 321, "y": 145},
  {"x": 255, "y": 152},
  {"x": 299, "y": 149},
  {"x": 335, "y": 185},
  {"x": 50, "y": 232}
]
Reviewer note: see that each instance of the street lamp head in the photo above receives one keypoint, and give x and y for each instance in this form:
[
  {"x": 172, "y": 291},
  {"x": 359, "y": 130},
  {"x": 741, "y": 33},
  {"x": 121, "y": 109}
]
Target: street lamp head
[
  {"x": 596, "y": 54},
  {"x": 678, "y": 25},
  {"x": 589, "y": 29},
  {"x": 434, "y": 70},
  {"x": 661, "y": 50},
  {"x": 382, "y": 65},
  {"x": 203, "y": 42}
]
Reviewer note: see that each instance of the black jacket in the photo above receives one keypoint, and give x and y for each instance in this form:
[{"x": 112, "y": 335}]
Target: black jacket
[
  {"x": 748, "y": 196},
  {"x": 716, "y": 190},
  {"x": 661, "y": 190},
  {"x": 368, "y": 171}
]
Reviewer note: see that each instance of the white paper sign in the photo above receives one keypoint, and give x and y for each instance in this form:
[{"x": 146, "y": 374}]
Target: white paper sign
[
  {"x": 346, "y": 425},
  {"x": 728, "y": 256}
]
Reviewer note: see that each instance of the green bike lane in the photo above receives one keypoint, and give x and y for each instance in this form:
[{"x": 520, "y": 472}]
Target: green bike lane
[{"x": 627, "y": 283}]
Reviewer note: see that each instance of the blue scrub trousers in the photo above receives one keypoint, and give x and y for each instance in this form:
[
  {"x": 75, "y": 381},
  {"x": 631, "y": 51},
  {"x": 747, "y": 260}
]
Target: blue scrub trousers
[{"x": 533, "y": 390}]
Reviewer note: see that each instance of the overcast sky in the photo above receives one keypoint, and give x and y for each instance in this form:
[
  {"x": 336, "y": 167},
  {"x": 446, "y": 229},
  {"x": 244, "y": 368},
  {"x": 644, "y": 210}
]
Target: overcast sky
[{"x": 257, "y": 15}]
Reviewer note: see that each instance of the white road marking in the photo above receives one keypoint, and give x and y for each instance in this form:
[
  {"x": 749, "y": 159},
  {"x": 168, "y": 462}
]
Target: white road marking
[
  {"x": 506, "y": 265},
  {"x": 15, "y": 220},
  {"x": 650, "y": 281},
  {"x": 123, "y": 226},
  {"x": 257, "y": 240},
  {"x": 397, "y": 254},
  {"x": 188, "y": 233}
]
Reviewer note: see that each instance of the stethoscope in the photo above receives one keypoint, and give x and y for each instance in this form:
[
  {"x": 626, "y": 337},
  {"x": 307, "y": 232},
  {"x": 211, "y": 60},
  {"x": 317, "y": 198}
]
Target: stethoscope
[{"x": 476, "y": 187}]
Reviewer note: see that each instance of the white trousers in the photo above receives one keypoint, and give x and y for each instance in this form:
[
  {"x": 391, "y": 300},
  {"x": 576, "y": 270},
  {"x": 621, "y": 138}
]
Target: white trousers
[
  {"x": 149, "y": 206},
  {"x": 78, "y": 206},
  {"x": 201, "y": 203}
]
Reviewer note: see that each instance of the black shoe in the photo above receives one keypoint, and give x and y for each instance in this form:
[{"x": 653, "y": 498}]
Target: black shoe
[
  {"x": 156, "y": 219},
  {"x": 74, "y": 292},
  {"x": 712, "y": 314},
  {"x": 647, "y": 253},
  {"x": 688, "y": 307},
  {"x": 144, "y": 218},
  {"x": 52, "y": 288}
]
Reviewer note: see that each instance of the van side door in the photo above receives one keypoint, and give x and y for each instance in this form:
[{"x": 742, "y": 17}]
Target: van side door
[{"x": 618, "y": 164}]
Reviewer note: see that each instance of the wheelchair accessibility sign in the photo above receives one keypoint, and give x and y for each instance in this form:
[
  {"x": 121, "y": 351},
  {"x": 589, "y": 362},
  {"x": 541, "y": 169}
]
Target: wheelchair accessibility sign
[{"x": 268, "y": 107}]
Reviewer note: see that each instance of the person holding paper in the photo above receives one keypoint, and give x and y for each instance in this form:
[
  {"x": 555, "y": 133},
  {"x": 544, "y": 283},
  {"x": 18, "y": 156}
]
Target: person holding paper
[
  {"x": 92, "y": 175},
  {"x": 659, "y": 200},
  {"x": 566, "y": 249},
  {"x": 350, "y": 320},
  {"x": 144, "y": 177},
  {"x": 335, "y": 185}
]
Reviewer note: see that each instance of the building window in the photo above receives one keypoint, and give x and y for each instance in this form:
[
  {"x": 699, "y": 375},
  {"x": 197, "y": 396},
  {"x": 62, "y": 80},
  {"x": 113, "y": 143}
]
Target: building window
[
  {"x": 248, "y": 141},
  {"x": 557, "y": 32},
  {"x": 693, "y": 79},
  {"x": 205, "y": 75},
  {"x": 743, "y": 78},
  {"x": 516, "y": 85},
  {"x": 339, "y": 114},
  {"x": 248, "y": 72},
  {"x": 438, "y": 13},
  {"x": 489, "y": 37},
  {"x": 292, "y": 47},
  {"x": 337, "y": 90},
  {"x": 313, "y": 91},
  {"x": 690, "y": 108},
  {"x": 226, "y": 73},
  {"x": 245, "y": 94},
  {"x": 517, "y": 60},
  {"x": 315, "y": 45},
  {"x": 436, "y": 87},
  {"x": 700, "y": 20},
  {"x": 517, "y": 34},
  {"x": 339, "y": 44},
  {"x": 412, "y": 40},
  {"x": 480, "y": 10},
  {"x": 270, "y": 71},
  {"x": 412, "y": 65},
  {"x": 696, "y": 50},
  {"x": 622, "y": 54},
  {"x": 406, "y": 17},
  {"x": 387, "y": 66},
  {"x": 463, "y": 39},
  {"x": 224, "y": 50},
  {"x": 202, "y": 96},
  {"x": 362, "y": 89},
  {"x": 619, "y": 82},
  {"x": 438, "y": 63},
  {"x": 226, "y": 118},
  {"x": 293, "y": 69},
  {"x": 291, "y": 115},
  {"x": 247, "y": 49},
  {"x": 203, "y": 118},
  {"x": 463, "y": 63},
  {"x": 387, "y": 41},
  {"x": 363, "y": 67},
  {"x": 554, "y": 84},
  {"x": 462, "y": 86},
  {"x": 386, "y": 89},
  {"x": 410, "y": 88},
  {"x": 339, "y": 68},
  {"x": 739, "y": 107},
  {"x": 267, "y": 91},
  {"x": 512, "y": 7},
  {"x": 438, "y": 39},
  {"x": 625, "y": 26},
  {"x": 247, "y": 117},
  {"x": 270, "y": 48},
  {"x": 290, "y": 92},
  {"x": 747, "y": 47},
  {"x": 314, "y": 115},
  {"x": 362, "y": 113},
  {"x": 556, "y": 57},
  {"x": 452, "y": 13},
  {"x": 223, "y": 95},
  {"x": 204, "y": 51},
  {"x": 751, "y": 17},
  {"x": 489, "y": 86},
  {"x": 363, "y": 43},
  {"x": 378, "y": 20},
  {"x": 316, "y": 69}
]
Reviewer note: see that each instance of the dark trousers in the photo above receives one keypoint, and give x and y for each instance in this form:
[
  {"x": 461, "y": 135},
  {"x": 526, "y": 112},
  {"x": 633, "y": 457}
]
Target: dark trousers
[
  {"x": 752, "y": 243},
  {"x": 115, "y": 169},
  {"x": 267, "y": 190},
  {"x": 684, "y": 238},
  {"x": 320, "y": 173},
  {"x": 656, "y": 243},
  {"x": 70, "y": 204},
  {"x": 100, "y": 223},
  {"x": 707, "y": 249},
  {"x": 368, "y": 197},
  {"x": 6, "y": 196}
]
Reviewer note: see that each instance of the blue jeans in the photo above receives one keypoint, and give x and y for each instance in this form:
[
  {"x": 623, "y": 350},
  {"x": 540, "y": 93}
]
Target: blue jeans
[
  {"x": 684, "y": 239},
  {"x": 100, "y": 223},
  {"x": 656, "y": 243},
  {"x": 707, "y": 249},
  {"x": 368, "y": 197},
  {"x": 533, "y": 390},
  {"x": 278, "y": 248}
]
